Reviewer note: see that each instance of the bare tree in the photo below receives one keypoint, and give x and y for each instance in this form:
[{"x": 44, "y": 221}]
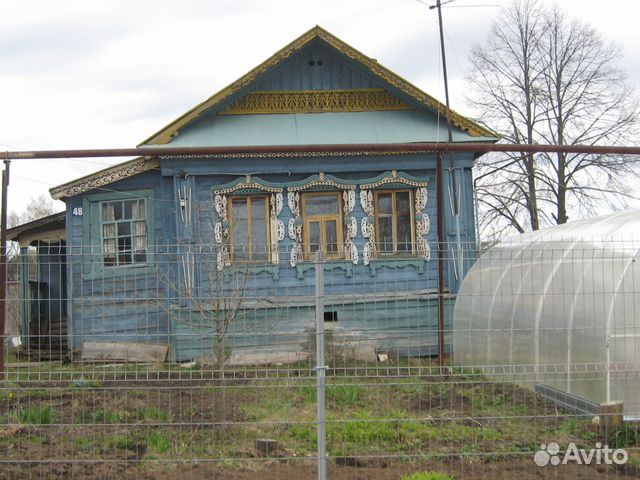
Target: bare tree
[
  {"x": 214, "y": 297},
  {"x": 37, "y": 207},
  {"x": 506, "y": 74},
  {"x": 215, "y": 306},
  {"x": 545, "y": 78}
]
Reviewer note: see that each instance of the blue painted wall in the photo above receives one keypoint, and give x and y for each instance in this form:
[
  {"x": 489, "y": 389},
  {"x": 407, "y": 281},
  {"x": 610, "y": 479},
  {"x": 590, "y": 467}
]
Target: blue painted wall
[
  {"x": 405, "y": 126},
  {"x": 149, "y": 304},
  {"x": 125, "y": 304}
]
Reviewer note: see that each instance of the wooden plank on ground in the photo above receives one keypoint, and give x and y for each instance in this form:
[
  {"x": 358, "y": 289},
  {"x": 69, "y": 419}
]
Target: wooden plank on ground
[
  {"x": 124, "y": 352},
  {"x": 247, "y": 356}
]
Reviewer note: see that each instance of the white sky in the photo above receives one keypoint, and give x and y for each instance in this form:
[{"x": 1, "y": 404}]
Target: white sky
[{"x": 109, "y": 73}]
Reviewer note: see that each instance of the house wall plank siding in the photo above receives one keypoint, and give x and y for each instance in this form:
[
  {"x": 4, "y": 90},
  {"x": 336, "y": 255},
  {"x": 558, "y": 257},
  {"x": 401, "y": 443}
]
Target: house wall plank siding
[
  {"x": 118, "y": 305},
  {"x": 316, "y": 90},
  {"x": 145, "y": 305},
  {"x": 334, "y": 73}
]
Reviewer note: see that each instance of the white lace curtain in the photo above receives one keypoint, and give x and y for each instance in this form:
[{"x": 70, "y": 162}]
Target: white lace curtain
[{"x": 138, "y": 230}]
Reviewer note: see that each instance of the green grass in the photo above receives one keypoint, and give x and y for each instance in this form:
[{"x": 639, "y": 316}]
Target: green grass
[
  {"x": 107, "y": 415},
  {"x": 426, "y": 476},
  {"x": 154, "y": 415},
  {"x": 119, "y": 442},
  {"x": 145, "y": 414},
  {"x": 83, "y": 443},
  {"x": 365, "y": 428},
  {"x": 336, "y": 395},
  {"x": 159, "y": 441},
  {"x": 36, "y": 439},
  {"x": 11, "y": 355},
  {"x": 634, "y": 463},
  {"x": 11, "y": 390},
  {"x": 394, "y": 432},
  {"x": 34, "y": 415},
  {"x": 625, "y": 436},
  {"x": 156, "y": 441}
]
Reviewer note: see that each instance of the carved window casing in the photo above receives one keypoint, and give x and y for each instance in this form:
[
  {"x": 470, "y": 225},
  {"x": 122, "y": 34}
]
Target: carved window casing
[
  {"x": 368, "y": 226},
  {"x": 322, "y": 224},
  {"x": 295, "y": 228},
  {"x": 221, "y": 232},
  {"x": 404, "y": 224},
  {"x": 417, "y": 224},
  {"x": 263, "y": 239},
  {"x": 423, "y": 224},
  {"x": 351, "y": 226},
  {"x": 394, "y": 222},
  {"x": 249, "y": 228},
  {"x": 303, "y": 227}
]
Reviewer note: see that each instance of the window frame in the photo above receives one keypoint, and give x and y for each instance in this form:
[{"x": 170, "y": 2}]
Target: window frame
[
  {"x": 132, "y": 235},
  {"x": 308, "y": 219},
  {"x": 93, "y": 259},
  {"x": 394, "y": 222},
  {"x": 267, "y": 203}
]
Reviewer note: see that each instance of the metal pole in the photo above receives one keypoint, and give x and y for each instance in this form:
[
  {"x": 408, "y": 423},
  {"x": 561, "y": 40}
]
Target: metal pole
[
  {"x": 356, "y": 149},
  {"x": 441, "y": 257},
  {"x": 438, "y": 5},
  {"x": 3, "y": 264},
  {"x": 452, "y": 169},
  {"x": 440, "y": 195},
  {"x": 321, "y": 369}
]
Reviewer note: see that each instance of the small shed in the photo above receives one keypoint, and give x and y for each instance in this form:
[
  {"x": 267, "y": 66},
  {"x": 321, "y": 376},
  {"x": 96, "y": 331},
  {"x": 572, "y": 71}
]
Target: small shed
[
  {"x": 558, "y": 310},
  {"x": 43, "y": 285}
]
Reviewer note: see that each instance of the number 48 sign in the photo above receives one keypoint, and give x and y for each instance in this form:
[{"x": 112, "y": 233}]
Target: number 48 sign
[{"x": 77, "y": 212}]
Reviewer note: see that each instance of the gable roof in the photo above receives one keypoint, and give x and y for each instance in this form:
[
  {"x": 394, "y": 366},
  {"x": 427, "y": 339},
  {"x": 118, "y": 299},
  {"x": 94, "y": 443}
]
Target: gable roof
[{"x": 167, "y": 133}]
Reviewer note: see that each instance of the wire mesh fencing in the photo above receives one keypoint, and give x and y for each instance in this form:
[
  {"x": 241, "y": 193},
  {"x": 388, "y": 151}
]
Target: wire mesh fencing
[{"x": 186, "y": 364}]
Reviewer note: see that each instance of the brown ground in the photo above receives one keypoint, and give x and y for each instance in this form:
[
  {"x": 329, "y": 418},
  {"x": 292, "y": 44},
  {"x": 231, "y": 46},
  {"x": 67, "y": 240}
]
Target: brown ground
[
  {"x": 103, "y": 431},
  {"x": 509, "y": 469}
]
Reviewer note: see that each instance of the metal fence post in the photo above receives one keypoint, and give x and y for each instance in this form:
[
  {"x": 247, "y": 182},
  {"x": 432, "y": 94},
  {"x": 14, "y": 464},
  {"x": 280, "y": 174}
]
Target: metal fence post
[{"x": 321, "y": 368}]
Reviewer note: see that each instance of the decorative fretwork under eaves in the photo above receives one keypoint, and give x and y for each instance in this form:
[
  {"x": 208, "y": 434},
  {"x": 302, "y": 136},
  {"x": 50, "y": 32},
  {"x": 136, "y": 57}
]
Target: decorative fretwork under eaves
[{"x": 316, "y": 101}]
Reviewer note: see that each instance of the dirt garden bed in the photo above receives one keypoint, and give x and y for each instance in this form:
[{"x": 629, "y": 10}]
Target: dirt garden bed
[{"x": 82, "y": 423}]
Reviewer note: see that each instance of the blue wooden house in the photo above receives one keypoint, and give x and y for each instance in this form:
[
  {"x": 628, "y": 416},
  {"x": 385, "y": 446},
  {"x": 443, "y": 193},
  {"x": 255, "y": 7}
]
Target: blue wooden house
[{"x": 154, "y": 243}]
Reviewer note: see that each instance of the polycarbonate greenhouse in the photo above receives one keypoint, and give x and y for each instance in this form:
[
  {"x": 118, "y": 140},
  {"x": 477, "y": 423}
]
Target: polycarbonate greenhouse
[{"x": 558, "y": 310}]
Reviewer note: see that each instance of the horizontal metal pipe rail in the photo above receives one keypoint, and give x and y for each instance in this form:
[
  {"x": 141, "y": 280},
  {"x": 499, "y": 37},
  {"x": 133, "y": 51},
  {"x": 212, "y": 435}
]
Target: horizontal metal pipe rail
[{"x": 380, "y": 148}]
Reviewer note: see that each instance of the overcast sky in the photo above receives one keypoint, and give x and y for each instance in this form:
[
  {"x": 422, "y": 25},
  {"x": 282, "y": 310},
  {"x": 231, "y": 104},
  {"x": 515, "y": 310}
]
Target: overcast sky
[{"x": 109, "y": 73}]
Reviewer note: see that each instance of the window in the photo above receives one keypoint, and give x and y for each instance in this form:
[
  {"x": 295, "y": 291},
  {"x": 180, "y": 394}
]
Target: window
[
  {"x": 322, "y": 224},
  {"x": 124, "y": 232},
  {"x": 249, "y": 222},
  {"x": 394, "y": 224},
  {"x": 117, "y": 232}
]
